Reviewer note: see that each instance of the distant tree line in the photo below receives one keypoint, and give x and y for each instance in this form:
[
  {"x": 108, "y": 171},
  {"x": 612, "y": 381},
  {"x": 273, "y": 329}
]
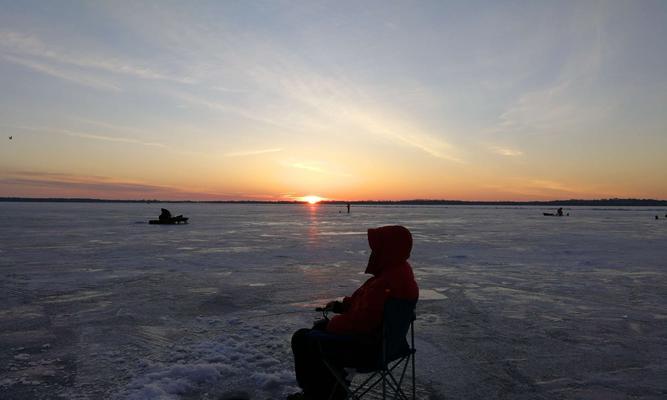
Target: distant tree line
[
  {"x": 416, "y": 202},
  {"x": 560, "y": 203}
]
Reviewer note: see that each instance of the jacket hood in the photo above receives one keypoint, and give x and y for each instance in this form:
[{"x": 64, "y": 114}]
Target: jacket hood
[{"x": 390, "y": 245}]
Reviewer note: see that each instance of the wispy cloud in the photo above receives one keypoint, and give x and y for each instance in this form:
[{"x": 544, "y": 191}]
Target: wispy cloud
[
  {"x": 112, "y": 139},
  {"x": 195, "y": 81},
  {"x": 506, "y": 151},
  {"x": 283, "y": 90},
  {"x": 20, "y": 44},
  {"x": 93, "y": 136},
  {"x": 545, "y": 184},
  {"x": 307, "y": 167},
  {"x": 248, "y": 113},
  {"x": 315, "y": 167},
  {"x": 544, "y": 188},
  {"x": 63, "y": 184},
  {"x": 69, "y": 181},
  {"x": 252, "y": 152},
  {"x": 128, "y": 134},
  {"x": 258, "y": 79},
  {"x": 429, "y": 145},
  {"x": 108, "y": 126},
  {"x": 567, "y": 101},
  {"x": 70, "y": 76}
]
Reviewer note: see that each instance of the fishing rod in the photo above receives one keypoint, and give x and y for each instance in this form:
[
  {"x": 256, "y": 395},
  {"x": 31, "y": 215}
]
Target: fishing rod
[
  {"x": 277, "y": 314},
  {"x": 323, "y": 310}
]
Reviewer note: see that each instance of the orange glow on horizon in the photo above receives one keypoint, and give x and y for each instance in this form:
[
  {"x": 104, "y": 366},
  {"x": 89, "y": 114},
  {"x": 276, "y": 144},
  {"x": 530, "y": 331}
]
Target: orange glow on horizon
[{"x": 311, "y": 199}]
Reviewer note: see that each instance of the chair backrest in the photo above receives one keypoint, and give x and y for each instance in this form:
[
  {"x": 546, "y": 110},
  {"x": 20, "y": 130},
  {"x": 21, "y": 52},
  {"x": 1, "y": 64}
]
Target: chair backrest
[{"x": 398, "y": 317}]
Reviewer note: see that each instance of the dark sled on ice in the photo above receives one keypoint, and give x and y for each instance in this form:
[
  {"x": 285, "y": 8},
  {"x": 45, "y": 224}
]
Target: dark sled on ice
[{"x": 171, "y": 221}]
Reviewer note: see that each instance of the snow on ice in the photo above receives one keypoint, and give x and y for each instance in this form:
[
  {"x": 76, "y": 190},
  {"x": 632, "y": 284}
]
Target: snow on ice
[{"x": 96, "y": 303}]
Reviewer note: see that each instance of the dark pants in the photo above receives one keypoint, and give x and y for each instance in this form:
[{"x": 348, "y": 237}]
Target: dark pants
[{"x": 311, "y": 346}]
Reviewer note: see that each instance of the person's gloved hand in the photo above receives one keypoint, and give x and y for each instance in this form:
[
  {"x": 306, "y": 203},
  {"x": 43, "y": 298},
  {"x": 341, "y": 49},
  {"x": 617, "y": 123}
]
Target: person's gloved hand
[
  {"x": 335, "y": 306},
  {"x": 321, "y": 324}
]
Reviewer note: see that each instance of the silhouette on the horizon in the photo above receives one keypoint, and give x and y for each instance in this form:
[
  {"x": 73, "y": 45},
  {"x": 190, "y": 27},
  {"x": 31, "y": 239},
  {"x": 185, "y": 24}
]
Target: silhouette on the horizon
[
  {"x": 165, "y": 215},
  {"x": 166, "y": 218},
  {"x": 656, "y": 217},
  {"x": 558, "y": 213},
  {"x": 348, "y": 208}
]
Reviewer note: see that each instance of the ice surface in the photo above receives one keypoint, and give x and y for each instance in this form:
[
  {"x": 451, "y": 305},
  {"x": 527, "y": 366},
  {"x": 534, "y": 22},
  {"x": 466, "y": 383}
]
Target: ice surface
[{"x": 96, "y": 303}]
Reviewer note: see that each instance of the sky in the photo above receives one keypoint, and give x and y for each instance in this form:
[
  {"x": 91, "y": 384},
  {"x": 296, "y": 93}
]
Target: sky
[{"x": 346, "y": 100}]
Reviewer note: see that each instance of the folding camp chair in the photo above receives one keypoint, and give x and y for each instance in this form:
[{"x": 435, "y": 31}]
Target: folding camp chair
[{"x": 395, "y": 354}]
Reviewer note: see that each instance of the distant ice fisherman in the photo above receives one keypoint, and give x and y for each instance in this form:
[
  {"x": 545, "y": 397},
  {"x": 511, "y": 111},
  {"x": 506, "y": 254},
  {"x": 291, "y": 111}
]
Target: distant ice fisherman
[{"x": 165, "y": 218}]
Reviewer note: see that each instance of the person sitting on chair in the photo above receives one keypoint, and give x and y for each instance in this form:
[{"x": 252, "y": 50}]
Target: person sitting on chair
[
  {"x": 352, "y": 337},
  {"x": 165, "y": 215}
]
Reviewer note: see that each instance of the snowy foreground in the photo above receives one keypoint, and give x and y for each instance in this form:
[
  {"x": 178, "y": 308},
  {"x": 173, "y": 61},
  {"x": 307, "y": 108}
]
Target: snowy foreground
[{"x": 95, "y": 303}]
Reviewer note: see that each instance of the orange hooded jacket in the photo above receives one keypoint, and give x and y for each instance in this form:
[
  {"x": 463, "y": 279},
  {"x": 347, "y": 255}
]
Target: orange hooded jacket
[{"x": 392, "y": 277}]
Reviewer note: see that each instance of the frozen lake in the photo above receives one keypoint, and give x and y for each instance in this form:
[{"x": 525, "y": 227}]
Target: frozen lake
[{"x": 96, "y": 303}]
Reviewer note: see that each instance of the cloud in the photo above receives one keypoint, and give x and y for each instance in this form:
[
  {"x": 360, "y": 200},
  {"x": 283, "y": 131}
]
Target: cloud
[
  {"x": 112, "y": 139},
  {"x": 315, "y": 168},
  {"x": 73, "y": 181},
  {"x": 108, "y": 126},
  {"x": 260, "y": 80},
  {"x": 252, "y": 152},
  {"x": 92, "y": 136},
  {"x": 506, "y": 151},
  {"x": 555, "y": 186},
  {"x": 321, "y": 103},
  {"x": 254, "y": 77},
  {"x": 544, "y": 188},
  {"x": 572, "y": 99},
  {"x": 307, "y": 167},
  {"x": 249, "y": 113},
  {"x": 225, "y": 89},
  {"x": 63, "y": 184},
  {"x": 429, "y": 145},
  {"x": 63, "y": 74},
  {"x": 126, "y": 134},
  {"x": 25, "y": 45}
]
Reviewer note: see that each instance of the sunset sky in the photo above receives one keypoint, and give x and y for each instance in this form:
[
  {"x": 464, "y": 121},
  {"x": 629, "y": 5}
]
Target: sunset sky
[{"x": 349, "y": 100}]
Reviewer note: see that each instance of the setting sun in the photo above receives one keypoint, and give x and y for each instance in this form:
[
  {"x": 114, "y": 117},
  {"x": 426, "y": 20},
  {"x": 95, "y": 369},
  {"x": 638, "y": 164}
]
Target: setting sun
[{"x": 311, "y": 199}]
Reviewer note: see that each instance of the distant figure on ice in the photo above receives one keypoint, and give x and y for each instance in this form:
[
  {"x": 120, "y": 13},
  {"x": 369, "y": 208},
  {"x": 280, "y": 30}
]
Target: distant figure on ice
[
  {"x": 560, "y": 212},
  {"x": 353, "y": 335},
  {"x": 656, "y": 217},
  {"x": 348, "y": 208},
  {"x": 166, "y": 218},
  {"x": 165, "y": 215}
]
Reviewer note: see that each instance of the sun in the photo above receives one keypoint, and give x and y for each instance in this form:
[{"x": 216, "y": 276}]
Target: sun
[{"x": 311, "y": 199}]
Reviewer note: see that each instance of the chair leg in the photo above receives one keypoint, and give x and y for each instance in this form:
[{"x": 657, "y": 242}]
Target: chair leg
[
  {"x": 339, "y": 381},
  {"x": 396, "y": 387},
  {"x": 414, "y": 352},
  {"x": 399, "y": 383},
  {"x": 414, "y": 380},
  {"x": 366, "y": 386},
  {"x": 414, "y": 374},
  {"x": 389, "y": 382}
]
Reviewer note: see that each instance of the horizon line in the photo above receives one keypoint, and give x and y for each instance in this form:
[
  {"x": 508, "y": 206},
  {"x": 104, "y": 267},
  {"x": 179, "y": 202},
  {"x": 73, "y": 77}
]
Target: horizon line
[{"x": 609, "y": 201}]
